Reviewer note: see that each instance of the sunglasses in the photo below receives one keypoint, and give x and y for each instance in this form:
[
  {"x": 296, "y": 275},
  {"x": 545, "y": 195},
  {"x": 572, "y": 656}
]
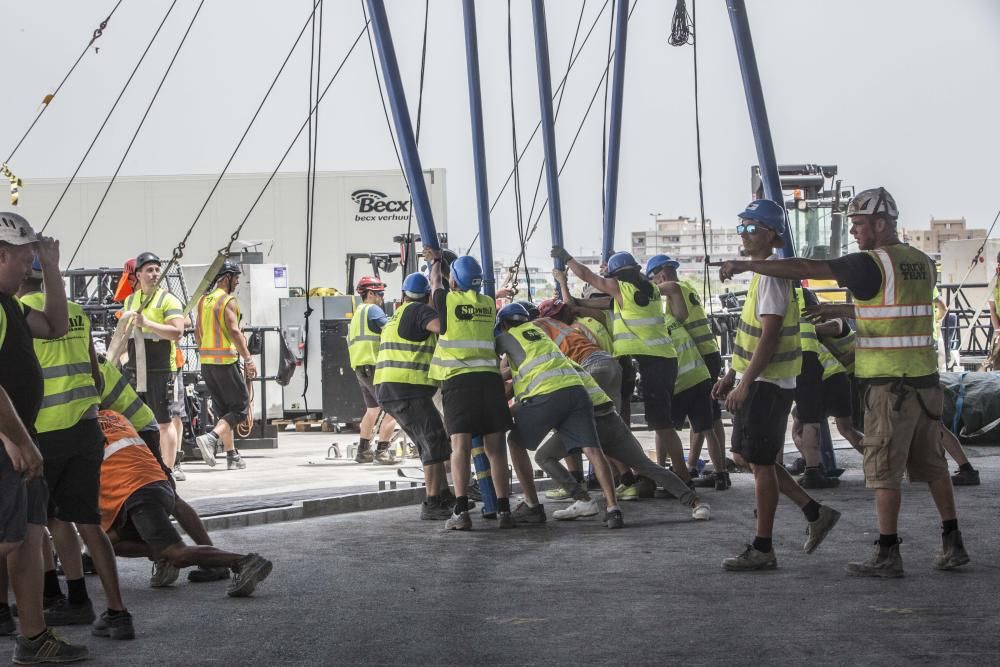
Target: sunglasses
[{"x": 750, "y": 228}]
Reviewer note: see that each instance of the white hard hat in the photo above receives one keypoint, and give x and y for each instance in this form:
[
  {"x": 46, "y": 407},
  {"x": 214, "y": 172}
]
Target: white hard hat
[
  {"x": 873, "y": 202},
  {"x": 15, "y": 230}
]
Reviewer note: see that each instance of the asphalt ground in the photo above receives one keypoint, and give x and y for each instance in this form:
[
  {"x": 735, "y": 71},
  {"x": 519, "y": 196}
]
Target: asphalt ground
[{"x": 382, "y": 587}]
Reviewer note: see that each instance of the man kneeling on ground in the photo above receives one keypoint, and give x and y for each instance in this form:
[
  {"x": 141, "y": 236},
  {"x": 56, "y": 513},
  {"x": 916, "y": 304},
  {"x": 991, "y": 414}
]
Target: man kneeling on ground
[{"x": 136, "y": 502}]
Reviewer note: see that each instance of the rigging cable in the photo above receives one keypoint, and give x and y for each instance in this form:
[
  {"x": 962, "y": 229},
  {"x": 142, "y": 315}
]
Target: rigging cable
[
  {"x": 420, "y": 111},
  {"x": 135, "y": 135},
  {"x": 97, "y": 34},
  {"x": 517, "y": 172},
  {"x": 107, "y": 117}
]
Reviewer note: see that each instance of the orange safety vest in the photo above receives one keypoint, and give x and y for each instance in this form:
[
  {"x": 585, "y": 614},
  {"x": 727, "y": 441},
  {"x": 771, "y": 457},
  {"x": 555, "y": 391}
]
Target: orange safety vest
[{"x": 127, "y": 467}]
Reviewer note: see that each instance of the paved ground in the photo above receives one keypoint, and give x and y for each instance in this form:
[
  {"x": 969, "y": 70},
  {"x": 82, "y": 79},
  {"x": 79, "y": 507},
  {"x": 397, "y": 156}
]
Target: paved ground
[{"x": 383, "y": 588}]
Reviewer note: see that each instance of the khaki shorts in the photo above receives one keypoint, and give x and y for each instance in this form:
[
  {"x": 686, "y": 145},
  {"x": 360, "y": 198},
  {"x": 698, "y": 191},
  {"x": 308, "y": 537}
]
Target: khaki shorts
[{"x": 903, "y": 435}]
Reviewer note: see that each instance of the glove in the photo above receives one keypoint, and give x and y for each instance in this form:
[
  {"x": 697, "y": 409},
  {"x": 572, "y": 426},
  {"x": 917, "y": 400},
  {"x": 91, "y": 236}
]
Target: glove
[{"x": 558, "y": 252}]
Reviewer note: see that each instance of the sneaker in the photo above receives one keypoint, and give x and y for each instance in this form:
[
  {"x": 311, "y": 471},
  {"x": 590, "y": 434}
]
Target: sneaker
[
  {"x": 953, "y": 552},
  {"x": 965, "y": 478},
  {"x": 49, "y": 647},
  {"x": 722, "y": 481},
  {"x": 7, "y": 625},
  {"x": 458, "y": 522},
  {"x": 888, "y": 565},
  {"x": 751, "y": 560},
  {"x": 61, "y": 612},
  {"x": 435, "y": 510},
  {"x": 200, "y": 575},
  {"x": 694, "y": 473},
  {"x": 614, "y": 518},
  {"x": 706, "y": 481},
  {"x": 506, "y": 520},
  {"x": 629, "y": 493},
  {"x": 206, "y": 445},
  {"x": 797, "y": 467},
  {"x": 558, "y": 495},
  {"x": 164, "y": 574},
  {"x": 250, "y": 571},
  {"x": 525, "y": 514},
  {"x": 385, "y": 457},
  {"x": 815, "y": 479},
  {"x": 579, "y": 508},
  {"x": 364, "y": 456},
  {"x": 118, "y": 626},
  {"x": 701, "y": 512},
  {"x": 817, "y": 530},
  {"x": 235, "y": 461},
  {"x": 178, "y": 473}
]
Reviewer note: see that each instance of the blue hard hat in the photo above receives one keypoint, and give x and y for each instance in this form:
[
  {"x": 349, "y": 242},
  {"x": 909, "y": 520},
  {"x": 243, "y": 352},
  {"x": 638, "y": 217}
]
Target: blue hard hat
[
  {"x": 416, "y": 285},
  {"x": 530, "y": 308},
  {"x": 769, "y": 213},
  {"x": 512, "y": 312},
  {"x": 658, "y": 262},
  {"x": 621, "y": 260},
  {"x": 467, "y": 273}
]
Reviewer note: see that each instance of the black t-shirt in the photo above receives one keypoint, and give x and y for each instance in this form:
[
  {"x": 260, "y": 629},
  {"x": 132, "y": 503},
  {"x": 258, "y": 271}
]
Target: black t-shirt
[
  {"x": 20, "y": 372},
  {"x": 858, "y": 272},
  {"x": 412, "y": 326},
  {"x": 440, "y": 301}
]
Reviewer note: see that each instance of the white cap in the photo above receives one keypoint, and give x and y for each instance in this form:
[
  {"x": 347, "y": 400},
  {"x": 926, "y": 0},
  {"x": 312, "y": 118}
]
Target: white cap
[{"x": 15, "y": 230}]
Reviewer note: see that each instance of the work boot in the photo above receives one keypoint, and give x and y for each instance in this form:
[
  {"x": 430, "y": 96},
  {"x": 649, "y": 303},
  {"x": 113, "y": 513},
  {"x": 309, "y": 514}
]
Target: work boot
[
  {"x": 524, "y": 513},
  {"x": 817, "y": 530},
  {"x": 7, "y": 625},
  {"x": 234, "y": 461},
  {"x": 506, "y": 520},
  {"x": 953, "y": 552},
  {"x": 385, "y": 457},
  {"x": 61, "y": 612},
  {"x": 249, "y": 571},
  {"x": 886, "y": 563},
  {"x": 814, "y": 478},
  {"x": 706, "y": 481},
  {"x": 206, "y": 445},
  {"x": 968, "y": 477},
  {"x": 164, "y": 574},
  {"x": 751, "y": 560},
  {"x": 459, "y": 521},
  {"x": 49, "y": 647},
  {"x": 722, "y": 481},
  {"x": 797, "y": 467},
  {"x": 201, "y": 574},
  {"x": 436, "y": 509},
  {"x": 118, "y": 626}
]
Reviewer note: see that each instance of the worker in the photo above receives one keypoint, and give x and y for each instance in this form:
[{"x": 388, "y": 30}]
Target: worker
[
  {"x": 692, "y": 396},
  {"x": 994, "y": 298},
  {"x": 221, "y": 345},
  {"x": 72, "y": 447},
  {"x": 406, "y": 392},
  {"x": 362, "y": 346},
  {"x": 892, "y": 285},
  {"x": 472, "y": 391},
  {"x": 23, "y": 513},
  {"x": 759, "y": 388},
  {"x": 640, "y": 331},
  {"x": 549, "y": 396},
  {"x": 160, "y": 325}
]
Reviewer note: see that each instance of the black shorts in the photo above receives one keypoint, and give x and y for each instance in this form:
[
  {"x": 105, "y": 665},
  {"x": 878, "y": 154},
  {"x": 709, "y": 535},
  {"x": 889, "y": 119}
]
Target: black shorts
[
  {"x": 159, "y": 394},
  {"x": 366, "y": 375},
  {"x": 229, "y": 392},
  {"x": 421, "y": 421},
  {"x": 809, "y": 390},
  {"x": 695, "y": 405},
  {"x": 837, "y": 396},
  {"x": 475, "y": 403},
  {"x": 145, "y": 517},
  {"x": 21, "y": 502},
  {"x": 714, "y": 363},
  {"x": 658, "y": 375},
  {"x": 73, "y": 459},
  {"x": 760, "y": 423},
  {"x": 569, "y": 412}
]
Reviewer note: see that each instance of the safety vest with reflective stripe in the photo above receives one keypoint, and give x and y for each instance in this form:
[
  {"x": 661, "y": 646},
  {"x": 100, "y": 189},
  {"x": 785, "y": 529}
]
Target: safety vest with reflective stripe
[
  {"x": 691, "y": 368},
  {"x": 842, "y": 347},
  {"x": 786, "y": 362},
  {"x": 216, "y": 346},
  {"x": 571, "y": 341},
  {"x": 362, "y": 342},
  {"x": 467, "y": 345},
  {"x": 697, "y": 323},
  {"x": 829, "y": 363},
  {"x": 127, "y": 467},
  {"x": 120, "y": 397},
  {"x": 598, "y": 397},
  {"x": 162, "y": 308},
  {"x": 545, "y": 369},
  {"x": 639, "y": 329},
  {"x": 596, "y": 331},
  {"x": 70, "y": 391},
  {"x": 807, "y": 330},
  {"x": 402, "y": 360},
  {"x": 895, "y": 326}
]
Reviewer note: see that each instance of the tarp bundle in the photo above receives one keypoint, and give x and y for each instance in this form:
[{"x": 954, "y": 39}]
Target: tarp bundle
[{"x": 972, "y": 406}]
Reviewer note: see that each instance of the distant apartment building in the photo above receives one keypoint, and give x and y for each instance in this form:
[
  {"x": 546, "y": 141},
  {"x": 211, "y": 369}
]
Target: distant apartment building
[
  {"x": 682, "y": 239},
  {"x": 941, "y": 231}
]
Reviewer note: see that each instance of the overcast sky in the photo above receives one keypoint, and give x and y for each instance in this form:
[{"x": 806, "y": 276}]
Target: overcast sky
[{"x": 901, "y": 93}]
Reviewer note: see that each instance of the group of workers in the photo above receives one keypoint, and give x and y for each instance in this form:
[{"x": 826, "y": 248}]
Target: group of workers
[{"x": 89, "y": 455}]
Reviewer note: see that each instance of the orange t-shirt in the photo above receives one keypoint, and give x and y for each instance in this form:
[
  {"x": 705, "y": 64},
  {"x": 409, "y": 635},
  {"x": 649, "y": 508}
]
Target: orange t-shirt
[
  {"x": 571, "y": 342},
  {"x": 128, "y": 465}
]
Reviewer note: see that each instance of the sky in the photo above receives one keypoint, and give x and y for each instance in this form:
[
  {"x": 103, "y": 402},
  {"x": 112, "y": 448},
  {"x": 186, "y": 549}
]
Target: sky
[{"x": 900, "y": 93}]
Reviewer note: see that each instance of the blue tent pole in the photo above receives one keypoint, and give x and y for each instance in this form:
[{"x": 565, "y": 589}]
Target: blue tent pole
[
  {"x": 404, "y": 128},
  {"x": 479, "y": 458},
  {"x": 548, "y": 127},
  {"x": 615, "y": 128}
]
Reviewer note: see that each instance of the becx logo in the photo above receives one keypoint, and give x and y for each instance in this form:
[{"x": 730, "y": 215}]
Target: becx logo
[{"x": 373, "y": 201}]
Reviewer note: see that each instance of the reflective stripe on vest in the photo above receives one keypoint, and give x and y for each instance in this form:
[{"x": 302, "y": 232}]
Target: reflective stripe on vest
[
  {"x": 159, "y": 310},
  {"x": 120, "y": 397},
  {"x": 895, "y": 327},
  {"x": 691, "y": 368},
  {"x": 216, "y": 345},
  {"x": 119, "y": 445},
  {"x": 697, "y": 323},
  {"x": 598, "y": 397},
  {"x": 545, "y": 369},
  {"x": 401, "y": 360},
  {"x": 842, "y": 347},
  {"x": 596, "y": 331},
  {"x": 467, "y": 345},
  {"x": 829, "y": 363},
  {"x": 362, "y": 342},
  {"x": 69, "y": 388},
  {"x": 639, "y": 329},
  {"x": 786, "y": 362},
  {"x": 807, "y": 330}
]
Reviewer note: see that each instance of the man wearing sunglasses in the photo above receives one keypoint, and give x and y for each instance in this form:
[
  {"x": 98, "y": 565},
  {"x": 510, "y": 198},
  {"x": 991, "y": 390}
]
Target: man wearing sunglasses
[
  {"x": 893, "y": 287},
  {"x": 759, "y": 388}
]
